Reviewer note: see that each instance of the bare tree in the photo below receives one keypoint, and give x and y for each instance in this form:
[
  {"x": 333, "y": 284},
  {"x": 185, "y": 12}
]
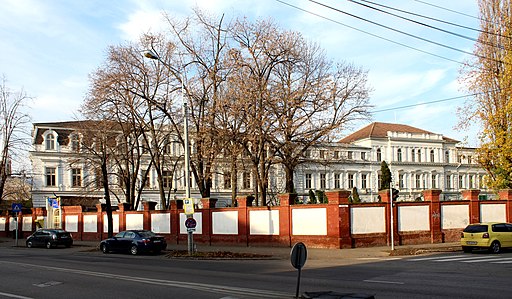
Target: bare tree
[{"x": 13, "y": 129}]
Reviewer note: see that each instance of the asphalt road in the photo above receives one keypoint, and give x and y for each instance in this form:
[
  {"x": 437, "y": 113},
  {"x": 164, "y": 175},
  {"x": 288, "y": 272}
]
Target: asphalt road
[{"x": 72, "y": 273}]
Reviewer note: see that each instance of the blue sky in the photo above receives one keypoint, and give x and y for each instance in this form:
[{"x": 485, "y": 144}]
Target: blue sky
[{"x": 49, "y": 48}]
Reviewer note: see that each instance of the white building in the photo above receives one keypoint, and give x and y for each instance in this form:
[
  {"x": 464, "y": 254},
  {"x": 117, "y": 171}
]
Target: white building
[{"x": 418, "y": 160}]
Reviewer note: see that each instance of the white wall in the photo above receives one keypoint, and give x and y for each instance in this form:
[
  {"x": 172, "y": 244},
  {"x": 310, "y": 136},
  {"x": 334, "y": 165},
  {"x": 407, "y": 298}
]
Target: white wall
[
  {"x": 493, "y": 212},
  {"x": 134, "y": 221},
  {"x": 115, "y": 223},
  {"x": 413, "y": 218},
  {"x": 225, "y": 223},
  {"x": 264, "y": 222},
  {"x": 310, "y": 222},
  {"x": 456, "y": 216},
  {"x": 161, "y": 223},
  {"x": 26, "y": 225},
  {"x": 72, "y": 223},
  {"x": 90, "y": 224},
  {"x": 3, "y": 221},
  {"x": 367, "y": 220},
  {"x": 199, "y": 220}
]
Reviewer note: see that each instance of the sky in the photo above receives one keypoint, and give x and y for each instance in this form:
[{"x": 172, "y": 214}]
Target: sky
[{"x": 49, "y": 48}]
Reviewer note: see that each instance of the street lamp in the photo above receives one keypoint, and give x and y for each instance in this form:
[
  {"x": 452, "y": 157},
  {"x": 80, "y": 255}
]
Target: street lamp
[{"x": 149, "y": 54}]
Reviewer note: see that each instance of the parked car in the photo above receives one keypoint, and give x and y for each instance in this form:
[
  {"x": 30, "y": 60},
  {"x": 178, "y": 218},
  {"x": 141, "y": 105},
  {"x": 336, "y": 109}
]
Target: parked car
[
  {"x": 490, "y": 235},
  {"x": 49, "y": 238},
  {"x": 135, "y": 242}
]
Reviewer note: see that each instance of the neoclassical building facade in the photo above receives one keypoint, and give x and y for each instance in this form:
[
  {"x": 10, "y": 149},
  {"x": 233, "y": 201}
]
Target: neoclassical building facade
[{"x": 418, "y": 160}]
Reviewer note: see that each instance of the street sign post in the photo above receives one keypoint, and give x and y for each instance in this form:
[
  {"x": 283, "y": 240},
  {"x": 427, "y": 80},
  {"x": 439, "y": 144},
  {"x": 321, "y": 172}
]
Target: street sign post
[
  {"x": 16, "y": 208},
  {"x": 298, "y": 257},
  {"x": 190, "y": 224}
]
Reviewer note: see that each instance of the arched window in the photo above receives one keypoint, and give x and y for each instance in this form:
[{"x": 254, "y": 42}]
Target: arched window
[
  {"x": 413, "y": 155},
  {"x": 75, "y": 143},
  {"x": 379, "y": 155},
  {"x": 399, "y": 155},
  {"x": 50, "y": 142},
  {"x": 419, "y": 155},
  {"x": 447, "y": 156},
  {"x": 432, "y": 156}
]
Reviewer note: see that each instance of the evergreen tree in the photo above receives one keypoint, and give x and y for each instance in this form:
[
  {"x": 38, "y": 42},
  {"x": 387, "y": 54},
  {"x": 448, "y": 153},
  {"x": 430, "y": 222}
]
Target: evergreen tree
[{"x": 385, "y": 181}]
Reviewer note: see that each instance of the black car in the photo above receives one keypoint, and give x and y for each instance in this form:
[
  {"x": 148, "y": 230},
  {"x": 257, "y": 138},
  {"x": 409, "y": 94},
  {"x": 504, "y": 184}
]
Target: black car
[
  {"x": 49, "y": 238},
  {"x": 135, "y": 242}
]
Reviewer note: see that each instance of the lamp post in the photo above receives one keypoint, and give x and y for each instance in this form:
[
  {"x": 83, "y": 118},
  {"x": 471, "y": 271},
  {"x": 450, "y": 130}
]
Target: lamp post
[{"x": 149, "y": 54}]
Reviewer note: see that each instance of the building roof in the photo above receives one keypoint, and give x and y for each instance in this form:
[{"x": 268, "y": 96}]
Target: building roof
[{"x": 380, "y": 130}]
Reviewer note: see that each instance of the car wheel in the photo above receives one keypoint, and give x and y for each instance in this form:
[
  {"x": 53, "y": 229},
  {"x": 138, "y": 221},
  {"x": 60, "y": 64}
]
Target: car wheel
[
  {"x": 29, "y": 244},
  {"x": 495, "y": 247},
  {"x": 134, "y": 250},
  {"x": 49, "y": 245},
  {"x": 467, "y": 249},
  {"x": 104, "y": 248}
]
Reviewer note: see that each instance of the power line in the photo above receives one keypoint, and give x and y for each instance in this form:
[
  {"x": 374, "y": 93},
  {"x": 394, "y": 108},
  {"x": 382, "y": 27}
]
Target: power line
[
  {"x": 369, "y": 33},
  {"x": 427, "y": 103},
  {"x": 447, "y": 9},
  {"x": 433, "y": 19},
  {"x": 422, "y": 24},
  {"x": 406, "y": 33}
]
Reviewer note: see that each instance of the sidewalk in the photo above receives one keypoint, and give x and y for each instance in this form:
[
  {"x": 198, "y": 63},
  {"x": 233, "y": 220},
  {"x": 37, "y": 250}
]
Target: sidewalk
[{"x": 284, "y": 252}]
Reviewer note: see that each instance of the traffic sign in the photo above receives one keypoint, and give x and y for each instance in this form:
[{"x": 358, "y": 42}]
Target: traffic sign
[
  {"x": 190, "y": 223},
  {"x": 16, "y": 207},
  {"x": 188, "y": 206}
]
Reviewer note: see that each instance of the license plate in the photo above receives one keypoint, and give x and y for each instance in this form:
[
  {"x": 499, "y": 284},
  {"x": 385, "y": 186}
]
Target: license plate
[
  {"x": 471, "y": 242},
  {"x": 157, "y": 241}
]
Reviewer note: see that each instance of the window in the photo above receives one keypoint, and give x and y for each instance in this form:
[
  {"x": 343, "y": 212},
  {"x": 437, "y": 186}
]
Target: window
[
  {"x": 167, "y": 179},
  {"x": 432, "y": 156},
  {"x": 349, "y": 154},
  {"x": 246, "y": 180},
  {"x": 51, "y": 176},
  {"x": 75, "y": 143},
  {"x": 307, "y": 153},
  {"x": 471, "y": 182},
  {"x": 98, "y": 178},
  {"x": 363, "y": 155},
  {"x": 322, "y": 181},
  {"x": 364, "y": 178},
  {"x": 76, "y": 177},
  {"x": 401, "y": 181},
  {"x": 350, "y": 181},
  {"x": 459, "y": 159},
  {"x": 336, "y": 154},
  {"x": 337, "y": 181},
  {"x": 434, "y": 181},
  {"x": 379, "y": 180},
  {"x": 379, "y": 155},
  {"x": 418, "y": 181},
  {"x": 322, "y": 154},
  {"x": 413, "y": 156},
  {"x": 399, "y": 155},
  {"x": 448, "y": 182},
  {"x": 419, "y": 155},
  {"x": 227, "y": 180},
  {"x": 50, "y": 142},
  {"x": 470, "y": 159},
  {"x": 461, "y": 180},
  {"x": 447, "y": 156},
  {"x": 308, "y": 180}
]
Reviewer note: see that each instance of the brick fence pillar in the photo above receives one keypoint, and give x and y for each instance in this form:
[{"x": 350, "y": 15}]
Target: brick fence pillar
[
  {"x": 435, "y": 214},
  {"x": 285, "y": 217},
  {"x": 474, "y": 204},
  {"x": 338, "y": 217},
  {"x": 506, "y": 194}
]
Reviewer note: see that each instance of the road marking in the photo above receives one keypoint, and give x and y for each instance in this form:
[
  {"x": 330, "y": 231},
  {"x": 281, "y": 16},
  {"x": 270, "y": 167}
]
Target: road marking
[
  {"x": 434, "y": 258},
  {"x": 462, "y": 259},
  {"x": 478, "y": 260},
  {"x": 47, "y": 284},
  {"x": 258, "y": 293},
  {"x": 14, "y": 296},
  {"x": 383, "y": 281}
]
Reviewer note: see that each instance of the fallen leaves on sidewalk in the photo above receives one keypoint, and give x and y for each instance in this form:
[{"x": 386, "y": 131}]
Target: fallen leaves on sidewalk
[{"x": 215, "y": 255}]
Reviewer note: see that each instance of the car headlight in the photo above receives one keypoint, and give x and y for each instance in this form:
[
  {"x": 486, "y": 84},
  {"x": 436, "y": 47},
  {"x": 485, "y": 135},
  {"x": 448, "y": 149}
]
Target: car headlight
[{"x": 54, "y": 237}]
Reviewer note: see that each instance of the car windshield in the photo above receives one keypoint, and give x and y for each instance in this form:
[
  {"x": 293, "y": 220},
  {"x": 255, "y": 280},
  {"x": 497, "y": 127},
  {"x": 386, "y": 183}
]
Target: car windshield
[
  {"x": 146, "y": 233},
  {"x": 480, "y": 228}
]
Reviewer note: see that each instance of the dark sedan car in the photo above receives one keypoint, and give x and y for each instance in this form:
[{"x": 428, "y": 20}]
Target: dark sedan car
[
  {"x": 49, "y": 238},
  {"x": 135, "y": 242}
]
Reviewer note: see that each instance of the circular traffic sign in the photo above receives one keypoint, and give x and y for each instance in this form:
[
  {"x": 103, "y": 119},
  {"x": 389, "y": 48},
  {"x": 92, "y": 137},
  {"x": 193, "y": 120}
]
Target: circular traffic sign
[
  {"x": 299, "y": 255},
  {"x": 190, "y": 223}
]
